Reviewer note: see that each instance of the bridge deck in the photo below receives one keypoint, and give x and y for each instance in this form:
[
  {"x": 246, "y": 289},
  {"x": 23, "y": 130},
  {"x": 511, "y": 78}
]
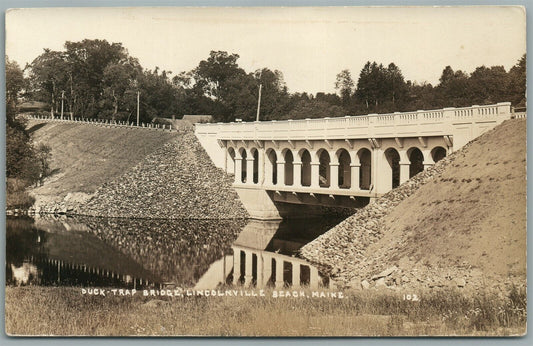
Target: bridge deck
[{"x": 311, "y": 190}]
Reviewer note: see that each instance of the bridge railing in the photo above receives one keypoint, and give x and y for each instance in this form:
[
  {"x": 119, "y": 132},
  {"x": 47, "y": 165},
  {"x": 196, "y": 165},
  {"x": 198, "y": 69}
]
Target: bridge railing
[
  {"x": 422, "y": 122},
  {"x": 103, "y": 122}
]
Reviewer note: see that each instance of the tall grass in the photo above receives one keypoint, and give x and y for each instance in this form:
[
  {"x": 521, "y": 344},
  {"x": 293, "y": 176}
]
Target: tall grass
[{"x": 64, "y": 311}]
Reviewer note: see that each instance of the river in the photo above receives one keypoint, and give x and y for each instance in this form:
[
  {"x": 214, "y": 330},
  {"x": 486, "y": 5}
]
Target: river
[{"x": 141, "y": 253}]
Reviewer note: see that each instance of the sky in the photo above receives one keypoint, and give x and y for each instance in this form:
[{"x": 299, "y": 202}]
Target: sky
[{"x": 310, "y": 46}]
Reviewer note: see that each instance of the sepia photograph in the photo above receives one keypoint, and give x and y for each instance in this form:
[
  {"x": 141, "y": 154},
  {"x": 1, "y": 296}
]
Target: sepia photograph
[{"x": 266, "y": 171}]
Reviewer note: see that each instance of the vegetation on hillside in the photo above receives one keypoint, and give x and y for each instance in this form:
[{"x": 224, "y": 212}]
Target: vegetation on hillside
[
  {"x": 98, "y": 79},
  {"x": 26, "y": 163}
]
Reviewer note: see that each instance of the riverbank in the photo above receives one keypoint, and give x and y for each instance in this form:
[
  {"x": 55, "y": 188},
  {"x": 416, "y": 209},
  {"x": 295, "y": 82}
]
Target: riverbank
[
  {"x": 132, "y": 173},
  {"x": 460, "y": 223},
  {"x": 65, "y": 311}
]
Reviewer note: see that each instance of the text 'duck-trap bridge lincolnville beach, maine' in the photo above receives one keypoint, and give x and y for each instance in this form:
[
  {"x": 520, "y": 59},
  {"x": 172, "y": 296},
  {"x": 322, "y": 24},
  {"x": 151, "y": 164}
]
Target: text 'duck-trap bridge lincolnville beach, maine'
[{"x": 281, "y": 165}]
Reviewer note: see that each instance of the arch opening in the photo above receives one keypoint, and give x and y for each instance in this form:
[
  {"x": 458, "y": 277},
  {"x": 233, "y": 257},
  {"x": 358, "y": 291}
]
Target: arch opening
[
  {"x": 393, "y": 158},
  {"x": 272, "y": 166},
  {"x": 344, "y": 178},
  {"x": 324, "y": 169},
  {"x": 255, "y": 154},
  {"x": 365, "y": 171},
  {"x": 438, "y": 153},
  {"x": 243, "y": 165},
  {"x": 305, "y": 157},
  {"x": 416, "y": 159},
  {"x": 289, "y": 168}
]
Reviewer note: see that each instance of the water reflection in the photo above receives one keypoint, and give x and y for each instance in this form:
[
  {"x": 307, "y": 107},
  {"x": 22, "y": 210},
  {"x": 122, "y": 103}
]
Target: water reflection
[{"x": 126, "y": 253}]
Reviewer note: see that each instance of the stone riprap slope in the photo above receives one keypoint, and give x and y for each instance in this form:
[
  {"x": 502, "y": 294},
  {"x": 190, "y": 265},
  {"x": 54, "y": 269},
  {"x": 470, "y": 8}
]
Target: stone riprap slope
[
  {"x": 177, "y": 181},
  {"x": 86, "y": 156},
  {"x": 461, "y": 223}
]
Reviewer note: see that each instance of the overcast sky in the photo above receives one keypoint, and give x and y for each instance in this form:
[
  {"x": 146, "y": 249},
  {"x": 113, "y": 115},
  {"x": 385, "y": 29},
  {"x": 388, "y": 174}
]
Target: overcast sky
[{"x": 309, "y": 45}]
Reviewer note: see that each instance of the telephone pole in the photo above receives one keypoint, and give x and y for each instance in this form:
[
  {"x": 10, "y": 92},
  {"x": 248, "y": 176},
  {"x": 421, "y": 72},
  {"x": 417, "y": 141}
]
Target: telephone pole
[
  {"x": 62, "y": 98},
  {"x": 138, "y": 98},
  {"x": 259, "y": 98}
]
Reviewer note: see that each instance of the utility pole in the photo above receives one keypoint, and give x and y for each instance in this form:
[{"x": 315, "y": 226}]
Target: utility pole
[
  {"x": 259, "y": 98},
  {"x": 62, "y": 98},
  {"x": 138, "y": 98}
]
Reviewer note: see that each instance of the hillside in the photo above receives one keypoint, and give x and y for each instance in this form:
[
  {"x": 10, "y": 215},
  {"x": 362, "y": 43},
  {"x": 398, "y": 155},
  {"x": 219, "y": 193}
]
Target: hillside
[
  {"x": 124, "y": 172},
  {"x": 461, "y": 223},
  {"x": 85, "y": 156},
  {"x": 177, "y": 181}
]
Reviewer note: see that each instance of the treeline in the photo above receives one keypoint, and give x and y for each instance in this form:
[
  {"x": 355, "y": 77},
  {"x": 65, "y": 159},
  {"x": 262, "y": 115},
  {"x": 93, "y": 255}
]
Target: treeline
[
  {"x": 26, "y": 162},
  {"x": 97, "y": 79}
]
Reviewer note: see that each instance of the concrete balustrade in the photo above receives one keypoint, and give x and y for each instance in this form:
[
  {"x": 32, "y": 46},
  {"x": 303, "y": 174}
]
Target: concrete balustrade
[{"x": 367, "y": 126}]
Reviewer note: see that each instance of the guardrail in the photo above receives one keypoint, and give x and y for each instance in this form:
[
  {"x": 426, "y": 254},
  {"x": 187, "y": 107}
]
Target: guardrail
[
  {"x": 105, "y": 123},
  {"x": 419, "y": 123}
]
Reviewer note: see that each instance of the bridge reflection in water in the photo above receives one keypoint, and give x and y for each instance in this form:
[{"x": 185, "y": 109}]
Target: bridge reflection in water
[
  {"x": 138, "y": 254},
  {"x": 261, "y": 259}
]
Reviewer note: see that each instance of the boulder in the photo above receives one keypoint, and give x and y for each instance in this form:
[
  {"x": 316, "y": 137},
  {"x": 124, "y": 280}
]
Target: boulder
[
  {"x": 365, "y": 284},
  {"x": 385, "y": 273},
  {"x": 381, "y": 282}
]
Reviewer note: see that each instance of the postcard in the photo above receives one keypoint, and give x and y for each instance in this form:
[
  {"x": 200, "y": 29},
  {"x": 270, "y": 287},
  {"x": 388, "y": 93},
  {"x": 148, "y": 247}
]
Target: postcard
[{"x": 266, "y": 171}]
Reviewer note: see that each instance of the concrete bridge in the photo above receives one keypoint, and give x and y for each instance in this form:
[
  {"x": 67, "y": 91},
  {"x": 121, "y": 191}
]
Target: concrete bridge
[{"x": 345, "y": 162}]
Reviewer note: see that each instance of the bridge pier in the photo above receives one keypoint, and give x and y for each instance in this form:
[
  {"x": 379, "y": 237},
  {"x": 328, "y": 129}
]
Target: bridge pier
[
  {"x": 249, "y": 177},
  {"x": 404, "y": 171},
  {"x": 279, "y": 273},
  {"x": 297, "y": 181},
  {"x": 238, "y": 169},
  {"x": 315, "y": 175},
  {"x": 354, "y": 184},
  {"x": 236, "y": 266},
  {"x": 334, "y": 176}
]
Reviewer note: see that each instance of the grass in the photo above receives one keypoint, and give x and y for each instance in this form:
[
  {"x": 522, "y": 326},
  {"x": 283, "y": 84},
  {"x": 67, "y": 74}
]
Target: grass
[{"x": 64, "y": 311}]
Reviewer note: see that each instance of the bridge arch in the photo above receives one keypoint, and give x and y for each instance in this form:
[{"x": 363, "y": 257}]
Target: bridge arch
[
  {"x": 324, "y": 160},
  {"x": 438, "y": 153},
  {"x": 344, "y": 160},
  {"x": 416, "y": 159},
  {"x": 288, "y": 157},
  {"x": 365, "y": 170},
  {"x": 243, "y": 155},
  {"x": 254, "y": 154},
  {"x": 271, "y": 167},
  {"x": 392, "y": 177},
  {"x": 305, "y": 158}
]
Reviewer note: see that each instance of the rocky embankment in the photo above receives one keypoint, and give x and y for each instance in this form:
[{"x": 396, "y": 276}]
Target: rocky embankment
[
  {"x": 168, "y": 175},
  {"x": 177, "y": 181},
  {"x": 460, "y": 223}
]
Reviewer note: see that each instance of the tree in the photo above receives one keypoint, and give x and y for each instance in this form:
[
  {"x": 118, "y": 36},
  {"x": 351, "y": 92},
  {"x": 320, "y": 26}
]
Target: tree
[
  {"x": 381, "y": 89},
  {"x": 15, "y": 83},
  {"x": 314, "y": 109},
  {"x": 87, "y": 61},
  {"x": 344, "y": 84},
  {"x": 120, "y": 83},
  {"x": 517, "y": 83},
  {"x": 452, "y": 90},
  {"x": 24, "y": 163},
  {"x": 49, "y": 77},
  {"x": 395, "y": 84},
  {"x": 488, "y": 85}
]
